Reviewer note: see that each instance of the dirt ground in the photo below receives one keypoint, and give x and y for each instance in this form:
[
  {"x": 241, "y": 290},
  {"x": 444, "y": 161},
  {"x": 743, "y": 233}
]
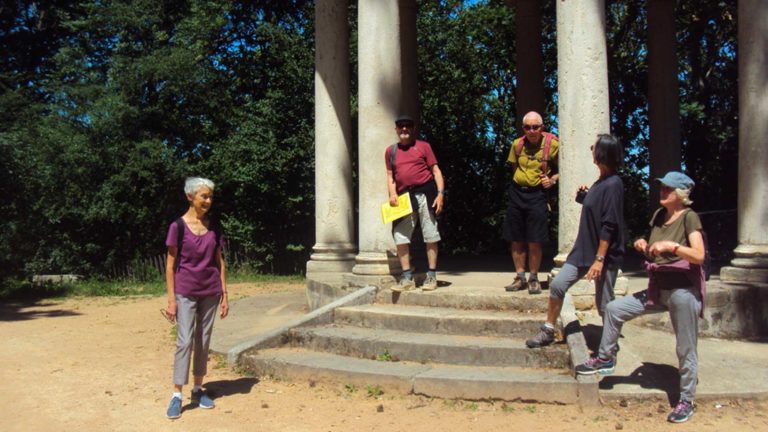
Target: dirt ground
[{"x": 104, "y": 364}]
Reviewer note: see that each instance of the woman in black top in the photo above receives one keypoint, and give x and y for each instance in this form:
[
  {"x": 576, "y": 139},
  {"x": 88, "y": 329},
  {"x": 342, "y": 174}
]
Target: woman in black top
[{"x": 599, "y": 247}]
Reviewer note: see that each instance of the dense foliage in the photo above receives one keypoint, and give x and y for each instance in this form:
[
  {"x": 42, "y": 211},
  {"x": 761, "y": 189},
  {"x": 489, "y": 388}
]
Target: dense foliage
[{"x": 106, "y": 105}]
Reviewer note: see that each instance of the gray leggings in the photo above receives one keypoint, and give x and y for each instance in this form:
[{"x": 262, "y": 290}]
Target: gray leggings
[
  {"x": 684, "y": 305},
  {"x": 570, "y": 274},
  {"x": 194, "y": 326}
]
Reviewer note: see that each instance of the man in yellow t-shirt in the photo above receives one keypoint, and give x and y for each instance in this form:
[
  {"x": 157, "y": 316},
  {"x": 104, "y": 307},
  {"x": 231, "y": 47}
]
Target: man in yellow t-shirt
[{"x": 534, "y": 164}]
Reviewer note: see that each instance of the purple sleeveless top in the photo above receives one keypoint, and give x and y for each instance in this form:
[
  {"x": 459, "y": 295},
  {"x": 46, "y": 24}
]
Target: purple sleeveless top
[{"x": 199, "y": 274}]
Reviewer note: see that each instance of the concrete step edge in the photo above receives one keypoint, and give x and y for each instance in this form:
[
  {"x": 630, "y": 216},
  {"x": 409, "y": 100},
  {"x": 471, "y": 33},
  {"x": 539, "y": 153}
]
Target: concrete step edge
[
  {"x": 443, "y": 312},
  {"x": 364, "y": 342},
  {"x": 498, "y": 301},
  {"x": 440, "y": 320},
  {"x": 433, "y": 380}
]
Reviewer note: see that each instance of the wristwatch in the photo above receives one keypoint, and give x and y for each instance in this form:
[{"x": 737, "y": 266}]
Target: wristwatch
[{"x": 599, "y": 258}]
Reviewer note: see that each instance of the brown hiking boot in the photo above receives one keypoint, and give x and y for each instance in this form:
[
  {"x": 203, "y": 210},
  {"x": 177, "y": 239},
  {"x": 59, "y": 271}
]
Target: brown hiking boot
[
  {"x": 534, "y": 286},
  {"x": 518, "y": 284},
  {"x": 544, "y": 337}
]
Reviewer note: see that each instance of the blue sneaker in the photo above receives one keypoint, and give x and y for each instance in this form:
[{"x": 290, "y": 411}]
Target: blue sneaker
[
  {"x": 174, "y": 409},
  {"x": 682, "y": 412},
  {"x": 596, "y": 365},
  {"x": 202, "y": 400}
]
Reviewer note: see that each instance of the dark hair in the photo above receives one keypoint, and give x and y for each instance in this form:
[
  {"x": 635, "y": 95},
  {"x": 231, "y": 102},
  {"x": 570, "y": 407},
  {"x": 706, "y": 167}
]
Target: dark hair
[{"x": 609, "y": 151}]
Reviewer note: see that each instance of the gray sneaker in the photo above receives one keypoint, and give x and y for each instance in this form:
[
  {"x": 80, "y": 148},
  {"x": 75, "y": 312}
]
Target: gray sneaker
[
  {"x": 201, "y": 399},
  {"x": 430, "y": 284},
  {"x": 518, "y": 284},
  {"x": 534, "y": 287},
  {"x": 544, "y": 337},
  {"x": 404, "y": 285}
]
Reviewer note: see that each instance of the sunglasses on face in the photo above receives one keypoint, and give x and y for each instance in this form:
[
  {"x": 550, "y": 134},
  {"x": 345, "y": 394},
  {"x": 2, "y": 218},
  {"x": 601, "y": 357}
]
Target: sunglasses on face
[
  {"x": 531, "y": 127},
  {"x": 405, "y": 125}
]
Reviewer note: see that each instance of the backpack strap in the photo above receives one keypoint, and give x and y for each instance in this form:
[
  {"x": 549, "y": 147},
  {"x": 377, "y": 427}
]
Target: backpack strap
[
  {"x": 215, "y": 226},
  {"x": 519, "y": 148},
  {"x": 548, "y": 137},
  {"x": 179, "y": 242},
  {"x": 685, "y": 225},
  {"x": 392, "y": 152},
  {"x": 545, "y": 152}
]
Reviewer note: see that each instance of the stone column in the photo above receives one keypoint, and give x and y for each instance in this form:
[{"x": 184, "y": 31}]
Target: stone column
[
  {"x": 751, "y": 262},
  {"x": 381, "y": 99},
  {"x": 663, "y": 91},
  {"x": 582, "y": 104},
  {"x": 529, "y": 92},
  {"x": 334, "y": 250},
  {"x": 409, "y": 62}
]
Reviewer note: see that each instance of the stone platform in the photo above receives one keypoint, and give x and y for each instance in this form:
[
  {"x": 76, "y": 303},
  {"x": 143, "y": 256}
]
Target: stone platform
[{"x": 363, "y": 326}]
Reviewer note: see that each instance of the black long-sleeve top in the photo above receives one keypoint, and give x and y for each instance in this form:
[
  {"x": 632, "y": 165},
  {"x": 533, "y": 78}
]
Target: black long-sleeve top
[{"x": 602, "y": 218}]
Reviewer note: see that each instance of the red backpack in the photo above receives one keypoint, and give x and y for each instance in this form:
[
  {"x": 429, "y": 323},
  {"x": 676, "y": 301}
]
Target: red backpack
[{"x": 548, "y": 137}]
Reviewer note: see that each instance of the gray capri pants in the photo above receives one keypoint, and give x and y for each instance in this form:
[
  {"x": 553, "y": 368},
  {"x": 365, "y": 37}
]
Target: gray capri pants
[
  {"x": 570, "y": 274},
  {"x": 684, "y": 306},
  {"x": 194, "y": 326}
]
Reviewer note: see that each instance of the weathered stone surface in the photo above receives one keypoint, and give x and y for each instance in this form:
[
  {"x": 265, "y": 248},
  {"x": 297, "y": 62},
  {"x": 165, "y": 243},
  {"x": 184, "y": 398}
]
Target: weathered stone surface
[
  {"x": 496, "y": 383},
  {"x": 57, "y": 278},
  {"x": 428, "y": 347},
  {"x": 741, "y": 274},
  {"x": 309, "y": 365},
  {"x": 421, "y": 319},
  {"x": 584, "y": 302},
  {"x": 731, "y": 311},
  {"x": 583, "y": 106},
  {"x": 469, "y": 298}
]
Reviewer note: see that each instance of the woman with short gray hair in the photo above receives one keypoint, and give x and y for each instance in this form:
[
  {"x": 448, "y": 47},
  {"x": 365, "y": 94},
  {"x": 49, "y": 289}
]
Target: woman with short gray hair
[{"x": 195, "y": 276}]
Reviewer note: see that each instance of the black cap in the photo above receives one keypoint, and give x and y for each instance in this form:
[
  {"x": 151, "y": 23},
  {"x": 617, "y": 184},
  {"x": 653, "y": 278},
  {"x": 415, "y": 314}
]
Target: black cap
[{"x": 404, "y": 119}]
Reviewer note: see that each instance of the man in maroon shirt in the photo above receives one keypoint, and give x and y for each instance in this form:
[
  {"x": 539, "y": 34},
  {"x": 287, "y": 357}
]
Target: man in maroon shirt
[{"x": 412, "y": 168}]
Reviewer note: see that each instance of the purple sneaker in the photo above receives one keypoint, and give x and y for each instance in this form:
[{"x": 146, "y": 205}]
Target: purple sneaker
[
  {"x": 596, "y": 365},
  {"x": 682, "y": 412}
]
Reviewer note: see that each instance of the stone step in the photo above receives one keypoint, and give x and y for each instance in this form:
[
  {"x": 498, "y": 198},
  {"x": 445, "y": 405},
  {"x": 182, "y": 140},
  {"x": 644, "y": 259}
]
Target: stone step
[
  {"x": 428, "y": 348},
  {"x": 440, "y": 320},
  {"x": 432, "y": 380},
  {"x": 483, "y": 297}
]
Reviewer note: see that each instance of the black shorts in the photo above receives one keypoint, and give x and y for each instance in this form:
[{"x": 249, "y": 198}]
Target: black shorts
[{"x": 527, "y": 215}]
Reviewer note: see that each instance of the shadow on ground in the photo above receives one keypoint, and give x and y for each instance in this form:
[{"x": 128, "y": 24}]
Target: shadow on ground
[
  {"x": 29, "y": 310},
  {"x": 649, "y": 376},
  {"x": 224, "y": 388}
]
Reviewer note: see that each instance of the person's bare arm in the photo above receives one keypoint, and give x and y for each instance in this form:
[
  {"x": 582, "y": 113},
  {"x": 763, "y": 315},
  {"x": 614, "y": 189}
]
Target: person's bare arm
[{"x": 438, "y": 203}]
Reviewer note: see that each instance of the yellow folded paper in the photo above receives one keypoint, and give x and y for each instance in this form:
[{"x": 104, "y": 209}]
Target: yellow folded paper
[{"x": 389, "y": 213}]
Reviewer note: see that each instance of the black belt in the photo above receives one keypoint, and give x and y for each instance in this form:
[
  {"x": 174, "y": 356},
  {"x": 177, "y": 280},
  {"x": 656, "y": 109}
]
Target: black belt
[{"x": 527, "y": 188}]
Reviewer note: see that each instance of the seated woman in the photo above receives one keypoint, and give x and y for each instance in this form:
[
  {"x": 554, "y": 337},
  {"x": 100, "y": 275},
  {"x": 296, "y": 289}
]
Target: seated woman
[{"x": 675, "y": 252}]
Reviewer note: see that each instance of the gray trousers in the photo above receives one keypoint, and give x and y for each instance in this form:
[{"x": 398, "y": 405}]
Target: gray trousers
[
  {"x": 570, "y": 274},
  {"x": 684, "y": 306},
  {"x": 194, "y": 326}
]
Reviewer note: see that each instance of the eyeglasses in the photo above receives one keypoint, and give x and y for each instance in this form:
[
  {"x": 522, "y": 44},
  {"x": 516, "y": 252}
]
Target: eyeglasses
[
  {"x": 532, "y": 127},
  {"x": 404, "y": 125}
]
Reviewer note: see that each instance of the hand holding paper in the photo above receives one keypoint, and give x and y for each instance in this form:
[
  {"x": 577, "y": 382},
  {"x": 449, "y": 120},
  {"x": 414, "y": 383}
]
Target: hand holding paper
[{"x": 390, "y": 213}]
